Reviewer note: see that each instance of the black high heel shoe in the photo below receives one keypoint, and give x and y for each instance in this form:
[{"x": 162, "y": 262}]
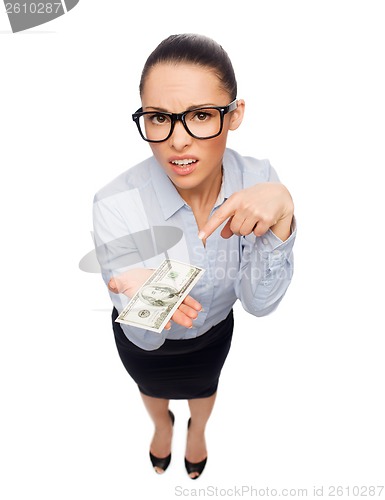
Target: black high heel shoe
[
  {"x": 162, "y": 463},
  {"x": 194, "y": 467}
]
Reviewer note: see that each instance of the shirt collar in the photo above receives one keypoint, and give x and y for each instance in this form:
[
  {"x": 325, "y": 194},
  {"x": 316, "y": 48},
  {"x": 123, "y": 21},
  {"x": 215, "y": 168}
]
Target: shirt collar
[{"x": 226, "y": 187}]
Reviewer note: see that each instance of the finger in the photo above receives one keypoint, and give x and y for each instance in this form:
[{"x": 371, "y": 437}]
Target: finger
[
  {"x": 117, "y": 284},
  {"x": 168, "y": 326},
  {"x": 189, "y": 301},
  {"x": 248, "y": 226},
  {"x": 218, "y": 217},
  {"x": 180, "y": 318},
  {"x": 188, "y": 311},
  {"x": 226, "y": 231},
  {"x": 237, "y": 223},
  {"x": 260, "y": 228},
  {"x": 112, "y": 286}
]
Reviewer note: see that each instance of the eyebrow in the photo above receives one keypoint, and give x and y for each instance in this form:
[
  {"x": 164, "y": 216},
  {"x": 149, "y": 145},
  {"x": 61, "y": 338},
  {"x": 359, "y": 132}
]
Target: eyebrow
[{"x": 193, "y": 106}]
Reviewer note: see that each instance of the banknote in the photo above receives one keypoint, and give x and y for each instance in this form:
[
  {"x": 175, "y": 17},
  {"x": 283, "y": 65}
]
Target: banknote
[{"x": 156, "y": 301}]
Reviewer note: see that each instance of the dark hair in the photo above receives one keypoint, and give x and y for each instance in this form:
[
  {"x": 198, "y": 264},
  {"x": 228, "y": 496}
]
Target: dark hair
[{"x": 194, "y": 49}]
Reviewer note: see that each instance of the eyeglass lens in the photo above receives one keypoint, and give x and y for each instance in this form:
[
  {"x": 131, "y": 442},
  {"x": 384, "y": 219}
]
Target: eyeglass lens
[{"x": 201, "y": 123}]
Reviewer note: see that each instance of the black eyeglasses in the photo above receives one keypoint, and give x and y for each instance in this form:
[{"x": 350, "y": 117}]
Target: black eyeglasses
[{"x": 200, "y": 123}]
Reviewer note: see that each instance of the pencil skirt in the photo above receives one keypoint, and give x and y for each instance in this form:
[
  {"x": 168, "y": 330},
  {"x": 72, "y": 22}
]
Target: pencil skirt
[{"x": 178, "y": 369}]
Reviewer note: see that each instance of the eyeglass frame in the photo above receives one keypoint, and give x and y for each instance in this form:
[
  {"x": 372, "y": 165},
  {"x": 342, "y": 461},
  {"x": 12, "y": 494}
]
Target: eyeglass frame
[{"x": 223, "y": 110}]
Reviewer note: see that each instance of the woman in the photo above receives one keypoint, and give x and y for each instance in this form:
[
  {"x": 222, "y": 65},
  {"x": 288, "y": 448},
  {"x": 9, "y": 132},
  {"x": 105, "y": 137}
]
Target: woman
[{"x": 235, "y": 220}]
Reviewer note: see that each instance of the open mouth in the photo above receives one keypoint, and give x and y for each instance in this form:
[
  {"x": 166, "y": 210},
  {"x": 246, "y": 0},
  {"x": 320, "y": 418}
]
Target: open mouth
[
  {"x": 183, "y": 166},
  {"x": 182, "y": 163}
]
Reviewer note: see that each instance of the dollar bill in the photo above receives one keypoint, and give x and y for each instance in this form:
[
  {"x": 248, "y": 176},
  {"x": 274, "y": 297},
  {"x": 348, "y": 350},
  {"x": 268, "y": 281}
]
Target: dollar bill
[{"x": 156, "y": 301}]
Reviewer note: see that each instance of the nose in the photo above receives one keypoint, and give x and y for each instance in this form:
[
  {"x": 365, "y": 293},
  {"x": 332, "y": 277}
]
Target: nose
[{"x": 180, "y": 138}]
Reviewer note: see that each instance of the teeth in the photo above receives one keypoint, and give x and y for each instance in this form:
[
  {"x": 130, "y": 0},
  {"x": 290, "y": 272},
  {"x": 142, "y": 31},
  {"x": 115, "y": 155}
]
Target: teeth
[{"x": 183, "y": 162}]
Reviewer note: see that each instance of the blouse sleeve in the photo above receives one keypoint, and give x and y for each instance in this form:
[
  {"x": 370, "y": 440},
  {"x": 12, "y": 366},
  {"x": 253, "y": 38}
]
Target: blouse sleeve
[
  {"x": 266, "y": 271},
  {"x": 266, "y": 268},
  {"x": 113, "y": 245},
  {"x": 117, "y": 250}
]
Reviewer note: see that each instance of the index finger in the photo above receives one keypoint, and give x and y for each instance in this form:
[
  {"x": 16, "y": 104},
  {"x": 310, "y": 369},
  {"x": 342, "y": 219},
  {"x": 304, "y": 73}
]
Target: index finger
[{"x": 219, "y": 216}]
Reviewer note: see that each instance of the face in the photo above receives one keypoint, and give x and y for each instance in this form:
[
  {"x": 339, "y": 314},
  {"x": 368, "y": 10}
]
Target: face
[
  {"x": 175, "y": 88},
  {"x": 159, "y": 295}
]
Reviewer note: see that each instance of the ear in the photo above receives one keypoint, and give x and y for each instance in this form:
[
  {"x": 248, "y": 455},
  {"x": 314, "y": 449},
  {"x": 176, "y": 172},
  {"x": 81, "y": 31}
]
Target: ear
[{"x": 237, "y": 115}]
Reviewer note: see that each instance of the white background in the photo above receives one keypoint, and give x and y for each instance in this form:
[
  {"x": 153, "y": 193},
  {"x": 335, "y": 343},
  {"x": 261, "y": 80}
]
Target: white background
[{"x": 300, "y": 402}]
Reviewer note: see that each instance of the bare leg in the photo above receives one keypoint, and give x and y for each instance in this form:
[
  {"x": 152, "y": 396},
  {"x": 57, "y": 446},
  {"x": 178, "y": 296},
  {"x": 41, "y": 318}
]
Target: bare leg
[
  {"x": 196, "y": 445},
  {"x": 158, "y": 411}
]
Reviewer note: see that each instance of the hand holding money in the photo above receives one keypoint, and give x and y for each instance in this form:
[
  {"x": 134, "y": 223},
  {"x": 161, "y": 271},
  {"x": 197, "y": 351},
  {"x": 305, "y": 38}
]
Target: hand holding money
[{"x": 131, "y": 281}]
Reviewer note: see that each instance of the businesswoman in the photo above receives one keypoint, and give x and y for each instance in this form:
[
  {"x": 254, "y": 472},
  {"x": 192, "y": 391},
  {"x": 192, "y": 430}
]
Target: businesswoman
[{"x": 234, "y": 217}]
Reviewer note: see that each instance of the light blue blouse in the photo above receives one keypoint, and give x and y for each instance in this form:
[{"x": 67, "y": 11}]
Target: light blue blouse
[{"x": 142, "y": 202}]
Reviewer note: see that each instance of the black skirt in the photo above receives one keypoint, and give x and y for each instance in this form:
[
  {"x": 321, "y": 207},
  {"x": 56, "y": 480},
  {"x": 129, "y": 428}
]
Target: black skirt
[{"x": 179, "y": 369}]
